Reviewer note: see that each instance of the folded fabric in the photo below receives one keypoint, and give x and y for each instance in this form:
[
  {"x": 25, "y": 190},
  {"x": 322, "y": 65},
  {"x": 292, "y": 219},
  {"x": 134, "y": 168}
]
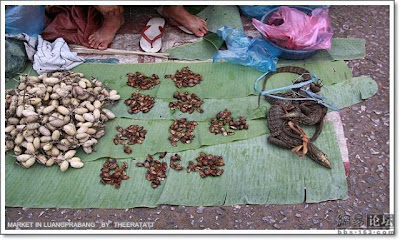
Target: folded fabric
[
  {"x": 54, "y": 56},
  {"x": 73, "y": 23}
]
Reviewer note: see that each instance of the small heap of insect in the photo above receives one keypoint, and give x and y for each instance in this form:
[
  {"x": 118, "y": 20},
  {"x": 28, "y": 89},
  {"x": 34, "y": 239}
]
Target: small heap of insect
[
  {"x": 182, "y": 130},
  {"x": 156, "y": 170},
  {"x": 186, "y": 102},
  {"x": 207, "y": 165},
  {"x": 133, "y": 134},
  {"x": 51, "y": 114},
  {"x": 112, "y": 174},
  {"x": 218, "y": 123},
  {"x": 174, "y": 162},
  {"x": 139, "y": 103},
  {"x": 185, "y": 78},
  {"x": 141, "y": 81}
]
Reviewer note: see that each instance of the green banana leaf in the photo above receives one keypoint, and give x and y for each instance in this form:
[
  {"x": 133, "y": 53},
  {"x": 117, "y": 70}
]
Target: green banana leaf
[
  {"x": 200, "y": 50},
  {"x": 340, "y": 95},
  {"x": 244, "y": 106},
  {"x": 341, "y": 49},
  {"x": 256, "y": 172},
  {"x": 157, "y": 138},
  {"x": 220, "y": 80},
  {"x": 347, "y": 93},
  {"x": 221, "y": 15}
]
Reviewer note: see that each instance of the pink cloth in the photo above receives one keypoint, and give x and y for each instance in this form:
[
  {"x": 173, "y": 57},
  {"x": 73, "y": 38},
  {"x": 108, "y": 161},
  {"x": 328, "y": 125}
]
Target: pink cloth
[{"x": 293, "y": 29}]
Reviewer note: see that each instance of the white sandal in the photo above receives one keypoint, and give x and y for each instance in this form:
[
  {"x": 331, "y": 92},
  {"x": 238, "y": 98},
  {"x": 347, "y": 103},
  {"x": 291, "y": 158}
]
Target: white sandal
[{"x": 151, "y": 35}]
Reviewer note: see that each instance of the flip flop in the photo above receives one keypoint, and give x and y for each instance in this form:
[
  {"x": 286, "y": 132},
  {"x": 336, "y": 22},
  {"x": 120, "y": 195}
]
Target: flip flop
[
  {"x": 151, "y": 35},
  {"x": 172, "y": 22}
]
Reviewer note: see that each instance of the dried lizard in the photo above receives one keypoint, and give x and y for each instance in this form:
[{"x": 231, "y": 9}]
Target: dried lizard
[
  {"x": 308, "y": 113},
  {"x": 287, "y": 134},
  {"x": 305, "y": 112}
]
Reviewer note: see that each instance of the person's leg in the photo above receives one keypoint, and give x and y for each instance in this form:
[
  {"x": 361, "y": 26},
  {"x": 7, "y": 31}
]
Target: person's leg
[
  {"x": 193, "y": 23},
  {"x": 113, "y": 20}
]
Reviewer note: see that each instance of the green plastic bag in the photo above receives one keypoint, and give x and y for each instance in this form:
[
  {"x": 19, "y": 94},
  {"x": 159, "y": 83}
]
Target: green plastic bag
[{"x": 16, "y": 57}]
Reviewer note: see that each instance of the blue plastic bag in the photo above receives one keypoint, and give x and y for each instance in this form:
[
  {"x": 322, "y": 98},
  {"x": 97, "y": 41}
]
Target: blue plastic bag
[
  {"x": 27, "y": 19},
  {"x": 255, "y": 11},
  {"x": 258, "y": 11},
  {"x": 245, "y": 51}
]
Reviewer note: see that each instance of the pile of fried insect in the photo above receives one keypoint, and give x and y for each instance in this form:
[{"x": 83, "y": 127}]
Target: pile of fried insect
[{"x": 292, "y": 108}]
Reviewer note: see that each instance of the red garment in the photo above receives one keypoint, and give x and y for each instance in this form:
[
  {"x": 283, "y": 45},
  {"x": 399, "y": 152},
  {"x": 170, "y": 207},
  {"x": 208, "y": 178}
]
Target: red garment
[{"x": 72, "y": 23}]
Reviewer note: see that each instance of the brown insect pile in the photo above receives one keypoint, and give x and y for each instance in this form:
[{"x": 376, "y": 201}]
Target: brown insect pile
[
  {"x": 182, "y": 130},
  {"x": 174, "y": 162},
  {"x": 139, "y": 103},
  {"x": 50, "y": 115},
  {"x": 142, "y": 82},
  {"x": 185, "y": 78},
  {"x": 112, "y": 174},
  {"x": 156, "y": 170},
  {"x": 134, "y": 134},
  {"x": 224, "y": 117},
  {"x": 186, "y": 102},
  {"x": 207, "y": 165}
]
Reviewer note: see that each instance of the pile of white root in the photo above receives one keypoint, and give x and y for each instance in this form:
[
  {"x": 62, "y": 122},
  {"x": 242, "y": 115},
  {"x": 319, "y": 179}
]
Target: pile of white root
[{"x": 49, "y": 116}]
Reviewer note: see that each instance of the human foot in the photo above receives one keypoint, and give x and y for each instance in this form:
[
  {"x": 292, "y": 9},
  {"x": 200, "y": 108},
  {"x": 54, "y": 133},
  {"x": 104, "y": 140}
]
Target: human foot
[
  {"x": 106, "y": 33},
  {"x": 179, "y": 15}
]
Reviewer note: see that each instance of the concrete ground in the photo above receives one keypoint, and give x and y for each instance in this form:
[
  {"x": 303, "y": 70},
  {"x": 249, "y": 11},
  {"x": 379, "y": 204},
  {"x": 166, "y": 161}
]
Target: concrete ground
[{"x": 366, "y": 127}]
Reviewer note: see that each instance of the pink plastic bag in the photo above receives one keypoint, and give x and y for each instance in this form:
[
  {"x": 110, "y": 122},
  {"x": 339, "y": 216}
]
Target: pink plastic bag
[{"x": 293, "y": 29}]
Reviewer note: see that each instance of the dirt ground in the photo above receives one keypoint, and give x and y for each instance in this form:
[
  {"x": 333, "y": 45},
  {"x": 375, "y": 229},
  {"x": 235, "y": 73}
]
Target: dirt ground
[{"x": 366, "y": 127}]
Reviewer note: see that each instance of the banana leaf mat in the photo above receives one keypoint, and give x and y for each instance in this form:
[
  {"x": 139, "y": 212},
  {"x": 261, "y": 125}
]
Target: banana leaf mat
[
  {"x": 265, "y": 183},
  {"x": 339, "y": 86},
  {"x": 344, "y": 94},
  {"x": 220, "y": 80},
  {"x": 255, "y": 173}
]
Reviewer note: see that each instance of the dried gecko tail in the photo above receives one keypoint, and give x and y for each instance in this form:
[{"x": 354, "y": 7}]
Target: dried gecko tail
[
  {"x": 318, "y": 131},
  {"x": 318, "y": 156},
  {"x": 264, "y": 86},
  {"x": 320, "y": 125},
  {"x": 297, "y": 70}
]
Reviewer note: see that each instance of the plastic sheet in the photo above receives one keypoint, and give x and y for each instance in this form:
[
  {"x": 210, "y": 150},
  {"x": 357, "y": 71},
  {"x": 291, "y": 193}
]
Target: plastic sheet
[
  {"x": 27, "y": 19},
  {"x": 245, "y": 51},
  {"x": 293, "y": 29}
]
